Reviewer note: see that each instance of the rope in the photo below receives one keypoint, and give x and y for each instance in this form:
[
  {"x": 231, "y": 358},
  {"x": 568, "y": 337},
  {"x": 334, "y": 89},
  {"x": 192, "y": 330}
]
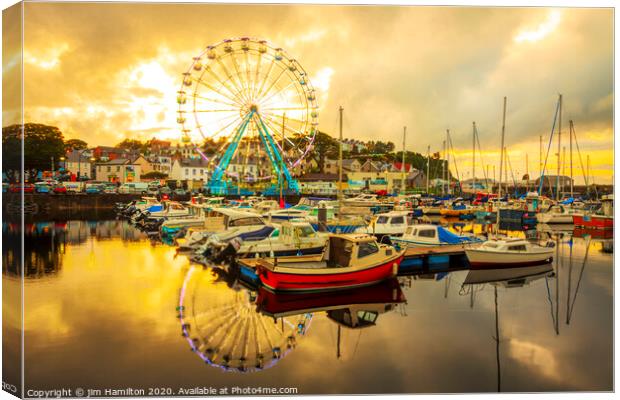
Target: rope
[{"x": 542, "y": 175}]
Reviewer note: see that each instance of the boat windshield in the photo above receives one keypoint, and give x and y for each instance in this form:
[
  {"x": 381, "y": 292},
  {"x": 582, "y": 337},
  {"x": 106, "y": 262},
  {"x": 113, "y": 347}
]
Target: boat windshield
[
  {"x": 367, "y": 248},
  {"x": 382, "y": 220},
  {"x": 304, "y": 231}
]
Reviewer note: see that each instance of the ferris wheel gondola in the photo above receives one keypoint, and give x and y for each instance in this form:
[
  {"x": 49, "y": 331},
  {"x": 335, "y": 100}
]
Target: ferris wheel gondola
[{"x": 256, "y": 107}]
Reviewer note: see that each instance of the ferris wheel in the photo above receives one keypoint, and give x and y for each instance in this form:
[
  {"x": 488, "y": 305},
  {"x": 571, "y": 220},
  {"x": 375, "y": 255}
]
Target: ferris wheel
[
  {"x": 224, "y": 328},
  {"x": 254, "y": 109}
]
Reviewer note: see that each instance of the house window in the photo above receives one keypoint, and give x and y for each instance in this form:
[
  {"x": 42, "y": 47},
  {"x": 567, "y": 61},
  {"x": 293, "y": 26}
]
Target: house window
[
  {"x": 186, "y": 171},
  {"x": 118, "y": 168},
  {"x": 193, "y": 171},
  {"x": 109, "y": 168}
]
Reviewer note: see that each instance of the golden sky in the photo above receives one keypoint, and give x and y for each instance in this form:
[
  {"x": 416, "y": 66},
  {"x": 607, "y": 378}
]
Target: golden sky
[{"x": 103, "y": 72}]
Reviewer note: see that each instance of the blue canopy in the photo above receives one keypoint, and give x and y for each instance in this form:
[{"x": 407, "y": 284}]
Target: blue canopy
[
  {"x": 568, "y": 201},
  {"x": 445, "y": 236}
]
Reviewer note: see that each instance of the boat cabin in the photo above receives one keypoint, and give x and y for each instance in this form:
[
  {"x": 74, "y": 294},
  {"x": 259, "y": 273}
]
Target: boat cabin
[
  {"x": 359, "y": 315},
  {"x": 349, "y": 249}
]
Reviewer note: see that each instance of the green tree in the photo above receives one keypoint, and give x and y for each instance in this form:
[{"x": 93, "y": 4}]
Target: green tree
[
  {"x": 75, "y": 144},
  {"x": 154, "y": 175},
  {"x": 41, "y": 144},
  {"x": 325, "y": 147},
  {"x": 132, "y": 144}
]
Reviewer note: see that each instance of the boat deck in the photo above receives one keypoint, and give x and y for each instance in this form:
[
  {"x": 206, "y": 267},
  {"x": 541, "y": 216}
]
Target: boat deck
[{"x": 417, "y": 252}]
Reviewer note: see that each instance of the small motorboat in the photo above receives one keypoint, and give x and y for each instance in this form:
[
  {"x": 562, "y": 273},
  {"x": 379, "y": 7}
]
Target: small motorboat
[
  {"x": 232, "y": 221},
  {"x": 363, "y": 200},
  {"x": 425, "y": 235},
  {"x": 557, "y": 214},
  {"x": 352, "y": 260},
  {"x": 602, "y": 219},
  {"x": 393, "y": 223},
  {"x": 293, "y": 238},
  {"x": 510, "y": 252}
]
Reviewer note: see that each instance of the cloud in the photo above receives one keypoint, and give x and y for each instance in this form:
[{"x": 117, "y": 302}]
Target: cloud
[{"x": 425, "y": 67}]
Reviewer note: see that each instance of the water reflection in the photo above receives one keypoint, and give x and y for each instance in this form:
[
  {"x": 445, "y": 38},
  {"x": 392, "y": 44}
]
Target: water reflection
[{"x": 100, "y": 290}]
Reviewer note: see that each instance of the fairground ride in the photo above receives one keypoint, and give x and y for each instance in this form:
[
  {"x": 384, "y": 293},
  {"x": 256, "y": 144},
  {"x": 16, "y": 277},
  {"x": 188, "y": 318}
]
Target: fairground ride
[{"x": 253, "y": 114}]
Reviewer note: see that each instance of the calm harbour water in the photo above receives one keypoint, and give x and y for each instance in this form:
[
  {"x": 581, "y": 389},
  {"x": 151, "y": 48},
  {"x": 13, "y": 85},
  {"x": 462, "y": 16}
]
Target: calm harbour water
[{"x": 103, "y": 311}]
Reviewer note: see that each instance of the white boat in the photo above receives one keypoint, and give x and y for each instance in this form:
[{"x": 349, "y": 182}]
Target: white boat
[
  {"x": 509, "y": 252},
  {"x": 295, "y": 212},
  {"x": 363, "y": 200},
  {"x": 265, "y": 206},
  {"x": 292, "y": 238},
  {"x": 428, "y": 235},
  {"x": 557, "y": 214},
  {"x": 392, "y": 223},
  {"x": 219, "y": 220}
]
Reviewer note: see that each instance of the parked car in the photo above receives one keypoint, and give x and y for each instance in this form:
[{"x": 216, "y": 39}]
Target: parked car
[
  {"x": 94, "y": 188},
  {"x": 60, "y": 189},
  {"x": 73, "y": 187},
  {"x": 152, "y": 190},
  {"x": 134, "y": 188},
  {"x": 165, "y": 190},
  {"x": 110, "y": 188},
  {"x": 42, "y": 187},
  {"x": 180, "y": 192},
  {"x": 26, "y": 188}
]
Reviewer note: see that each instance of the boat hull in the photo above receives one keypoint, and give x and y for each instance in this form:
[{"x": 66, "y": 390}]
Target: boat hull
[
  {"x": 309, "y": 280},
  {"x": 483, "y": 259},
  {"x": 593, "y": 221},
  {"x": 550, "y": 218}
]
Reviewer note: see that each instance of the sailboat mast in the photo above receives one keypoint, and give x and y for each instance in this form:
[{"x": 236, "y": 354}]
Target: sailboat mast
[
  {"x": 540, "y": 163},
  {"x": 443, "y": 170},
  {"x": 473, "y": 171},
  {"x": 402, "y": 166},
  {"x": 557, "y": 181},
  {"x": 428, "y": 167},
  {"x": 340, "y": 162},
  {"x": 448, "y": 161},
  {"x": 563, "y": 169},
  {"x": 527, "y": 183},
  {"x": 570, "y": 134},
  {"x": 501, "y": 158}
]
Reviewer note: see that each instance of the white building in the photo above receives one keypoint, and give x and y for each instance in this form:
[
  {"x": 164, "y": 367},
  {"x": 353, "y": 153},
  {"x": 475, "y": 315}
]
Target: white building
[
  {"x": 118, "y": 170},
  {"x": 189, "y": 169},
  {"x": 78, "y": 162}
]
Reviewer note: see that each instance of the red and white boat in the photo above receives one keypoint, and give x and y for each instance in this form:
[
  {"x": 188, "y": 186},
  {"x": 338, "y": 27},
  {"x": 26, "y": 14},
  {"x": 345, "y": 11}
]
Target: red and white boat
[
  {"x": 352, "y": 260},
  {"x": 605, "y": 220}
]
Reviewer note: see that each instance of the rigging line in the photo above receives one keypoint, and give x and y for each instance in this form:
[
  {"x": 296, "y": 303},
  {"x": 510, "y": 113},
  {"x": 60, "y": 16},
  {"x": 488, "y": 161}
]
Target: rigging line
[
  {"x": 484, "y": 171},
  {"x": 555, "y": 117},
  {"x": 583, "y": 170},
  {"x": 583, "y": 266},
  {"x": 230, "y": 78},
  {"x": 514, "y": 181},
  {"x": 456, "y": 168}
]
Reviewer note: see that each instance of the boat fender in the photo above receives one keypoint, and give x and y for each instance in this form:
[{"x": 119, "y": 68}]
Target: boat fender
[{"x": 394, "y": 269}]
